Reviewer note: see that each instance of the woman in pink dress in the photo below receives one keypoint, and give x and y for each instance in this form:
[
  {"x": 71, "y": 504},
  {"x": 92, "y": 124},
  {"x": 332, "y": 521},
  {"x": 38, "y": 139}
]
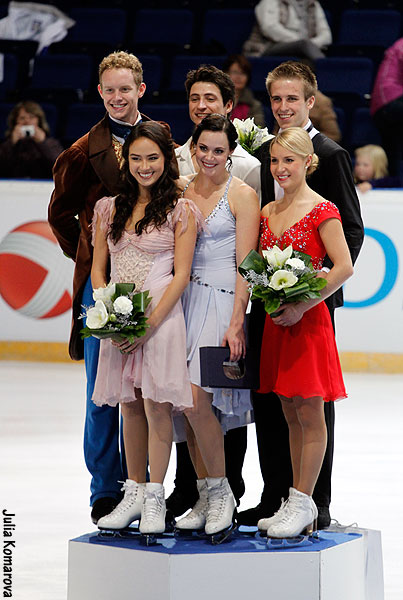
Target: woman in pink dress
[
  {"x": 146, "y": 232},
  {"x": 299, "y": 360}
]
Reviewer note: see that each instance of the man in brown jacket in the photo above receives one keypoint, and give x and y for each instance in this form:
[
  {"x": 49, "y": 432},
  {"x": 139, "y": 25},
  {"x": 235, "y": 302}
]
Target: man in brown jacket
[{"x": 83, "y": 174}]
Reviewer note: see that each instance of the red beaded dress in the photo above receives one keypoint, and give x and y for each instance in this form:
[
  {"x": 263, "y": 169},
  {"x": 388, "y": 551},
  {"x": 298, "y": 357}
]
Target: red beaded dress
[{"x": 302, "y": 360}]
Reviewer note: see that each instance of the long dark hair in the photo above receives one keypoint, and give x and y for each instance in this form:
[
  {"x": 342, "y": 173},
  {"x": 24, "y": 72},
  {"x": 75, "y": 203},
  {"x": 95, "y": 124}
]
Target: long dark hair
[
  {"x": 216, "y": 122},
  {"x": 164, "y": 192}
]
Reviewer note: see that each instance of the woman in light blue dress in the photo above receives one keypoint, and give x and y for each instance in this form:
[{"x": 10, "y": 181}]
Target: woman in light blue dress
[{"x": 214, "y": 305}]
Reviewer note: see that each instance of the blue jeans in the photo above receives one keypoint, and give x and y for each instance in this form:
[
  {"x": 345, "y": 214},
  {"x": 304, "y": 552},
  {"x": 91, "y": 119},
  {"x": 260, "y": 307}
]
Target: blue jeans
[{"x": 103, "y": 457}]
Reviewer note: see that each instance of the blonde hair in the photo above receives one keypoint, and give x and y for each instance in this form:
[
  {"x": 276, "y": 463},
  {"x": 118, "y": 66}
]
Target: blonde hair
[
  {"x": 378, "y": 158},
  {"x": 122, "y": 60},
  {"x": 294, "y": 70},
  {"x": 297, "y": 140}
]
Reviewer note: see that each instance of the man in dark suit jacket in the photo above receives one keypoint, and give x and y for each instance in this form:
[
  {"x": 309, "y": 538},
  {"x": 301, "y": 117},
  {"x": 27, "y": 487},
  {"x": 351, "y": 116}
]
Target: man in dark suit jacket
[
  {"x": 84, "y": 173},
  {"x": 292, "y": 87}
]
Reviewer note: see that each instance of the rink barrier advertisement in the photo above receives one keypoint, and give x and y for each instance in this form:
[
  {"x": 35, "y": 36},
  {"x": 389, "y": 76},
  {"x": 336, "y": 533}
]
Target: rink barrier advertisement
[{"x": 35, "y": 315}]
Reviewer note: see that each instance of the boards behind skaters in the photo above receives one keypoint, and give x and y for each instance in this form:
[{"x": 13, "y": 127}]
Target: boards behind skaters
[
  {"x": 147, "y": 232},
  {"x": 305, "y": 369},
  {"x": 84, "y": 173}
]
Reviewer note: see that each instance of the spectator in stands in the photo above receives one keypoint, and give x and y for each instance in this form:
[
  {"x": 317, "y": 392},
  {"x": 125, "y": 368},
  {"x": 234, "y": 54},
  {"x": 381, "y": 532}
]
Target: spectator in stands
[
  {"x": 246, "y": 105},
  {"x": 387, "y": 105},
  {"x": 289, "y": 27},
  {"x": 28, "y": 150},
  {"x": 371, "y": 169}
]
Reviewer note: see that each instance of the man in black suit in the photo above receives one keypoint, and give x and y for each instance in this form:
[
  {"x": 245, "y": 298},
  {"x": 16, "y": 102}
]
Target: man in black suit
[{"x": 291, "y": 87}]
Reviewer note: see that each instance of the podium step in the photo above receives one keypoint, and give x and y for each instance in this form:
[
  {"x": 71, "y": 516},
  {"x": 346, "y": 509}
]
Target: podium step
[{"x": 336, "y": 566}]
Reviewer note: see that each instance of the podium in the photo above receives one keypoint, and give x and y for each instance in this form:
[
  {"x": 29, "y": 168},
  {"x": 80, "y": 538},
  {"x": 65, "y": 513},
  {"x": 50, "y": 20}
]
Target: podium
[{"x": 338, "y": 565}]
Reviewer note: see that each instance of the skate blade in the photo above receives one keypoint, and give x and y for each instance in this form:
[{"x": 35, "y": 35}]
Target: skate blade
[
  {"x": 189, "y": 534},
  {"x": 126, "y": 532},
  {"x": 148, "y": 539},
  {"x": 222, "y": 536},
  {"x": 297, "y": 541}
]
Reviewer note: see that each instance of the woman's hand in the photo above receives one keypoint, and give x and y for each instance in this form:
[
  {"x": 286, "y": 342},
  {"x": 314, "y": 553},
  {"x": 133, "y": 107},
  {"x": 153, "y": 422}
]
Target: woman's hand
[
  {"x": 290, "y": 314},
  {"x": 234, "y": 337},
  {"x": 127, "y": 347}
]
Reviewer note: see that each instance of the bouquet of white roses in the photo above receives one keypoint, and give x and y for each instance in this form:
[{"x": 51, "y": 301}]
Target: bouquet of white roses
[
  {"x": 118, "y": 313},
  {"x": 281, "y": 276},
  {"x": 250, "y": 136}
]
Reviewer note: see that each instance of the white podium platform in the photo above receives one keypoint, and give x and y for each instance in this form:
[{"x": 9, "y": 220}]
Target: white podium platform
[{"x": 337, "y": 566}]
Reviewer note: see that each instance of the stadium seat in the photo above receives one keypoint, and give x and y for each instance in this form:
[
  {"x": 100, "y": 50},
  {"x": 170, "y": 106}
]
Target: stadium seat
[
  {"x": 162, "y": 30},
  {"x": 362, "y": 129},
  {"x": 344, "y": 75},
  {"x": 5, "y": 108},
  {"x": 98, "y": 25},
  {"x": 225, "y": 31},
  {"x": 369, "y": 28},
  {"x": 152, "y": 72},
  {"x": 176, "y": 115},
  {"x": 79, "y": 119},
  {"x": 182, "y": 64},
  {"x": 10, "y": 74},
  {"x": 260, "y": 69},
  {"x": 60, "y": 71}
]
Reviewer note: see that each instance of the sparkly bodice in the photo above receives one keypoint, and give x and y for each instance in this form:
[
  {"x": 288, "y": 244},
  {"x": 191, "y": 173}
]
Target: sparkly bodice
[
  {"x": 146, "y": 259},
  {"x": 303, "y": 235},
  {"x": 214, "y": 260}
]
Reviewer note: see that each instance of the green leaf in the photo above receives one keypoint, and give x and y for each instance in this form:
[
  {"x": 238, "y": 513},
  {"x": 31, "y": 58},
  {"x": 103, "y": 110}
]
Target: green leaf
[
  {"x": 304, "y": 257},
  {"x": 295, "y": 290},
  {"x": 124, "y": 289},
  {"x": 318, "y": 283},
  {"x": 271, "y": 305},
  {"x": 141, "y": 300},
  {"x": 252, "y": 262}
]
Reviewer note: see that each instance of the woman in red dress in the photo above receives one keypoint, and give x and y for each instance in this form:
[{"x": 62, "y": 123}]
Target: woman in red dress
[{"x": 299, "y": 359}]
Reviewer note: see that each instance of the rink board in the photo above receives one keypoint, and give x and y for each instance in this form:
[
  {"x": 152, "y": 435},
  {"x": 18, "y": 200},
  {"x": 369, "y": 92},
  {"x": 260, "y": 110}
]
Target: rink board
[{"x": 338, "y": 565}]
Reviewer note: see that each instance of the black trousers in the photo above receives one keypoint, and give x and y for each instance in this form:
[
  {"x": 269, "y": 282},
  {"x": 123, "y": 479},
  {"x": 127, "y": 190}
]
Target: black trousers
[{"x": 273, "y": 437}]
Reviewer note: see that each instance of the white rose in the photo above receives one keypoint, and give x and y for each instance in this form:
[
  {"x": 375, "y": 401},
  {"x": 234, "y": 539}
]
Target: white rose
[
  {"x": 97, "y": 316},
  {"x": 296, "y": 263},
  {"x": 104, "y": 293},
  {"x": 123, "y": 305},
  {"x": 282, "y": 279},
  {"x": 276, "y": 257}
]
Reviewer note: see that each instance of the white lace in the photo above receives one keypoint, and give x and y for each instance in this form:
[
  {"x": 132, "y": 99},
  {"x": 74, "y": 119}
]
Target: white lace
[
  {"x": 216, "y": 504},
  {"x": 200, "y": 506},
  {"x": 153, "y": 505},
  {"x": 130, "y": 497},
  {"x": 292, "y": 509}
]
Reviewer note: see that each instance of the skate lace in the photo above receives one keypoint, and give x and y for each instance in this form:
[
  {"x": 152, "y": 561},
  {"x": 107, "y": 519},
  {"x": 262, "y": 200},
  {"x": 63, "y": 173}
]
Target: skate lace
[
  {"x": 216, "y": 506},
  {"x": 130, "y": 497},
  {"x": 200, "y": 506},
  {"x": 152, "y": 506},
  {"x": 284, "y": 504},
  {"x": 290, "y": 510}
]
